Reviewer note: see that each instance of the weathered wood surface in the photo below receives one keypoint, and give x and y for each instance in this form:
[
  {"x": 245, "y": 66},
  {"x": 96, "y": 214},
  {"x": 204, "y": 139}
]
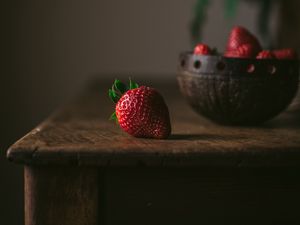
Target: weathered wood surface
[
  {"x": 61, "y": 195},
  {"x": 80, "y": 134}
]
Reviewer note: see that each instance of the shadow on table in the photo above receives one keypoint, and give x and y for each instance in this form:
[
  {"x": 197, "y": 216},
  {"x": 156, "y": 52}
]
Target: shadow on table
[{"x": 204, "y": 137}]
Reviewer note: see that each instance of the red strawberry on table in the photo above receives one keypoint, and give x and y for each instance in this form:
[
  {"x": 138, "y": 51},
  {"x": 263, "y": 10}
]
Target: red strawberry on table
[
  {"x": 286, "y": 53},
  {"x": 140, "y": 111},
  {"x": 238, "y": 37},
  {"x": 202, "y": 49},
  {"x": 265, "y": 54}
]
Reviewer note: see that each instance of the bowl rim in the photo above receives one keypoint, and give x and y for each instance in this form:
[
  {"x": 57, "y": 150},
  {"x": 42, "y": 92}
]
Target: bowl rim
[
  {"x": 221, "y": 56},
  {"x": 222, "y": 65}
]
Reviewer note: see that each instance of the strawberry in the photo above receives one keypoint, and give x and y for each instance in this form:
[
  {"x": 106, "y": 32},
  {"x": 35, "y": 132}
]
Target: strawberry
[
  {"x": 140, "y": 111},
  {"x": 265, "y": 54},
  {"x": 243, "y": 51},
  {"x": 240, "y": 36},
  {"x": 202, "y": 49},
  {"x": 286, "y": 53}
]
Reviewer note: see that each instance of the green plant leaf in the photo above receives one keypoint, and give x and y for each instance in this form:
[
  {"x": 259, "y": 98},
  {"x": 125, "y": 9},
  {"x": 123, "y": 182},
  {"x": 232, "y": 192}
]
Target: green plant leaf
[
  {"x": 113, "y": 96},
  {"x": 200, "y": 11},
  {"x": 263, "y": 21},
  {"x": 120, "y": 86},
  {"x": 132, "y": 84},
  {"x": 114, "y": 117},
  {"x": 115, "y": 90},
  {"x": 230, "y": 8}
]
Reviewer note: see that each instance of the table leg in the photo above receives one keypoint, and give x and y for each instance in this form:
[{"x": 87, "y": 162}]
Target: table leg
[{"x": 61, "y": 195}]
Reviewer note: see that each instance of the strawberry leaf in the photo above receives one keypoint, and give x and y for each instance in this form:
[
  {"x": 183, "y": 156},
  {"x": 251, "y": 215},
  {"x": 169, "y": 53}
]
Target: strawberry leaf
[
  {"x": 120, "y": 86},
  {"x": 132, "y": 84},
  {"x": 114, "y": 117},
  {"x": 113, "y": 96},
  {"x": 114, "y": 89},
  {"x": 214, "y": 51}
]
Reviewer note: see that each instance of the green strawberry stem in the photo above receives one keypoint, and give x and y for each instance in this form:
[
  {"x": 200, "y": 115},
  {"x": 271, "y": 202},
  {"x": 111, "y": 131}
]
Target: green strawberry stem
[
  {"x": 117, "y": 90},
  {"x": 132, "y": 84},
  {"x": 113, "y": 96},
  {"x": 121, "y": 87},
  {"x": 113, "y": 117}
]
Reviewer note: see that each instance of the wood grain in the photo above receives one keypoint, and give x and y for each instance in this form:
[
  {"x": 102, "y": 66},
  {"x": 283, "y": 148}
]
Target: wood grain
[
  {"x": 80, "y": 134},
  {"x": 61, "y": 195}
]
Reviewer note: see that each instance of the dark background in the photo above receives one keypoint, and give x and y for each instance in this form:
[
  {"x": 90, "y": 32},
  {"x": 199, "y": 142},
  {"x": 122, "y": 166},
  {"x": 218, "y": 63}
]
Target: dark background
[{"x": 51, "y": 49}]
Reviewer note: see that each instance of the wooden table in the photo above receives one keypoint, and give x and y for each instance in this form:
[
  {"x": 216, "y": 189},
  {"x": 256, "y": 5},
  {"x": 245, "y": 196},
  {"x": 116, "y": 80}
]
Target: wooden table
[{"x": 81, "y": 168}]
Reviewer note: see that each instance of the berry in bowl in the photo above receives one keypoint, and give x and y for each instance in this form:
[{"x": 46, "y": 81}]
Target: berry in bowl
[{"x": 245, "y": 86}]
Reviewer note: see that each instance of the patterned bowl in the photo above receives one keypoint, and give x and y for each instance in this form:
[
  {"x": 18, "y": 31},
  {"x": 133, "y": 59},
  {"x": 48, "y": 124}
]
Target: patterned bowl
[{"x": 237, "y": 91}]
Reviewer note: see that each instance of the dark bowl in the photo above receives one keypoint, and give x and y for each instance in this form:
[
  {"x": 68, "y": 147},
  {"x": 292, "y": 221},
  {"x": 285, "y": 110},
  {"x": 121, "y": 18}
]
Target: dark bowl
[{"x": 237, "y": 91}]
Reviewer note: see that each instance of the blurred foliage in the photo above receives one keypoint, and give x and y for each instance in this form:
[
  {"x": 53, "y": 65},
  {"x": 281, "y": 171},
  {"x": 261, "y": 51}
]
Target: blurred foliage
[
  {"x": 198, "y": 20},
  {"x": 230, "y": 9}
]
